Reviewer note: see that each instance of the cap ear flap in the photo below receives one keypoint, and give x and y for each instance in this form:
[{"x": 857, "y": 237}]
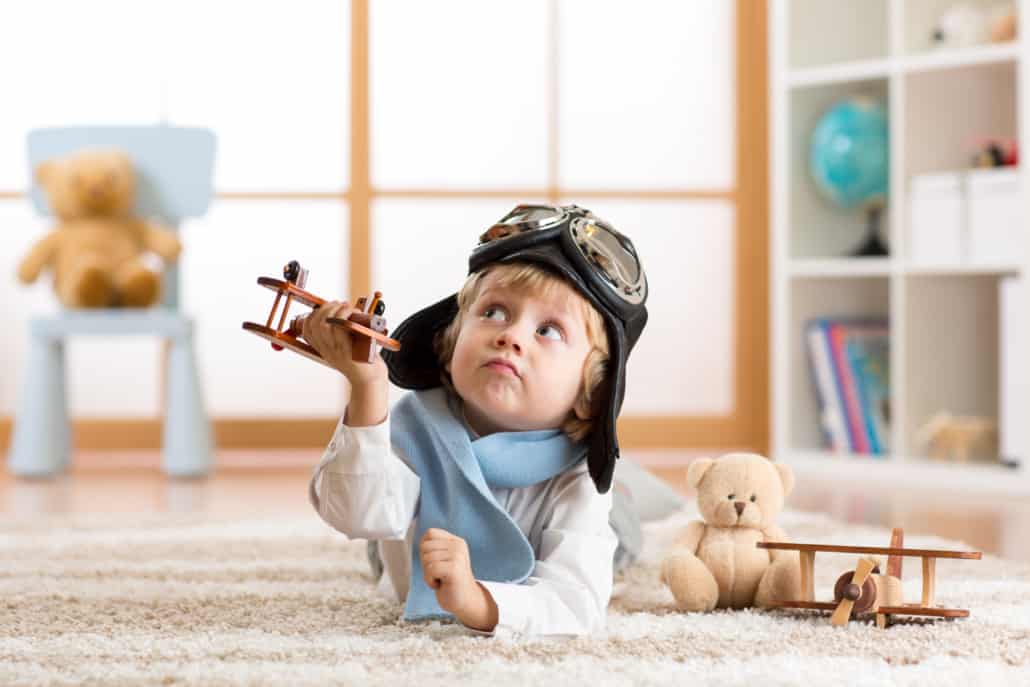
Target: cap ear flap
[
  {"x": 786, "y": 477},
  {"x": 601, "y": 460},
  {"x": 697, "y": 469}
]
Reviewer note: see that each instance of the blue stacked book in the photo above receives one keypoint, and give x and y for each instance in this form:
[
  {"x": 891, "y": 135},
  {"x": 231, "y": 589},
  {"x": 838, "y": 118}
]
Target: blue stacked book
[{"x": 850, "y": 362}]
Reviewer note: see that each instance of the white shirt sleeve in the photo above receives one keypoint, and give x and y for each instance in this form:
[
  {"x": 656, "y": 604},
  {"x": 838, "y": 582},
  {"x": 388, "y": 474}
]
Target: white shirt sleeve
[
  {"x": 361, "y": 487},
  {"x": 571, "y": 585}
]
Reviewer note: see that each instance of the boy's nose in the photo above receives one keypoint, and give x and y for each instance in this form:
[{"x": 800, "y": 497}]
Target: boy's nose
[{"x": 506, "y": 338}]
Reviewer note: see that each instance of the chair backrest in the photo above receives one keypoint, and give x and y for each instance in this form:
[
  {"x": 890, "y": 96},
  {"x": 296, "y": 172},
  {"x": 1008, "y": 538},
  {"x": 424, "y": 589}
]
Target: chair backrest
[{"x": 174, "y": 168}]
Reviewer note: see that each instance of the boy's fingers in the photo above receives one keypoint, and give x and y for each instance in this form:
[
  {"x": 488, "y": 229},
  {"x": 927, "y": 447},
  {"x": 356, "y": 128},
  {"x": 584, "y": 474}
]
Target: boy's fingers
[
  {"x": 328, "y": 309},
  {"x": 339, "y": 309},
  {"x": 316, "y": 330},
  {"x": 317, "y": 315},
  {"x": 435, "y": 575},
  {"x": 437, "y": 533},
  {"x": 313, "y": 327},
  {"x": 437, "y": 545},
  {"x": 436, "y": 557},
  {"x": 429, "y": 579}
]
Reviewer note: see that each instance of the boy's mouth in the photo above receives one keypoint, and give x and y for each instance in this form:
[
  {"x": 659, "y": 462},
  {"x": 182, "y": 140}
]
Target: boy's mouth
[{"x": 502, "y": 366}]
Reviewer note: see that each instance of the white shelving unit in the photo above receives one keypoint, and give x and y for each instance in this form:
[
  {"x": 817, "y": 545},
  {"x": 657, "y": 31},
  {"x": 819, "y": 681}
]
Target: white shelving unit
[{"x": 947, "y": 332}]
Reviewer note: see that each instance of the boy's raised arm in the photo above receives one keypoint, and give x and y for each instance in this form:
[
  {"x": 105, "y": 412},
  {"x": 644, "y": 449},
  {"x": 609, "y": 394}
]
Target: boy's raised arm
[
  {"x": 369, "y": 382},
  {"x": 361, "y": 487},
  {"x": 368, "y": 404}
]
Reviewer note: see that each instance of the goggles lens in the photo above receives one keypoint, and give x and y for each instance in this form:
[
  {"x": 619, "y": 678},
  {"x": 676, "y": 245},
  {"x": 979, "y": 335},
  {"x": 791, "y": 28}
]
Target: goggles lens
[
  {"x": 524, "y": 218},
  {"x": 612, "y": 256}
]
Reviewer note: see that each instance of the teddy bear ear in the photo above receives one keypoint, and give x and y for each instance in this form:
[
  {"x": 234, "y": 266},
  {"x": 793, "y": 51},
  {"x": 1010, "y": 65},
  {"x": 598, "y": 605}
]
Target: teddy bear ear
[
  {"x": 697, "y": 469},
  {"x": 786, "y": 477},
  {"x": 122, "y": 159},
  {"x": 44, "y": 171}
]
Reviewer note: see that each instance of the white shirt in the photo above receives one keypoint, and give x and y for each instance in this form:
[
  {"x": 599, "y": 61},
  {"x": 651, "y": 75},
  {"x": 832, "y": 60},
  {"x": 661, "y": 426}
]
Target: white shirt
[{"x": 362, "y": 488}]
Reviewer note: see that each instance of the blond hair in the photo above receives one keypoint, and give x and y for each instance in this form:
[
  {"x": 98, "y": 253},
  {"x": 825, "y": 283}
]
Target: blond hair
[{"x": 533, "y": 279}]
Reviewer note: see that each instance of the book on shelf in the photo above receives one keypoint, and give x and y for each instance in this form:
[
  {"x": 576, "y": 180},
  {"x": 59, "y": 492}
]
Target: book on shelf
[{"x": 849, "y": 360}]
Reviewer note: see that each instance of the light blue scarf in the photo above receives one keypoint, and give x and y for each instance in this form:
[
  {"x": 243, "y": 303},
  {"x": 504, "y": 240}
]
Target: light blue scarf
[{"x": 456, "y": 475}]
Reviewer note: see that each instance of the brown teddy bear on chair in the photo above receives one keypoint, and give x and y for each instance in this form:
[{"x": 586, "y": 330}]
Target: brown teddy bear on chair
[
  {"x": 715, "y": 563},
  {"x": 95, "y": 252}
]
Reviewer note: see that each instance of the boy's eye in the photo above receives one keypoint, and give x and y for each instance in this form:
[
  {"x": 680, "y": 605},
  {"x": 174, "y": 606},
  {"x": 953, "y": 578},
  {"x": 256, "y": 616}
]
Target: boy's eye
[
  {"x": 495, "y": 313},
  {"x": 550, "y": 331}
]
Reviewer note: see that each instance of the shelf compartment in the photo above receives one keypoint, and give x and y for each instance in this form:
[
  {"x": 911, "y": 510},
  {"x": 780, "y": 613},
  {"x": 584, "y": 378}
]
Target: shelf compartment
[
  {"x": 952, "y": 345},
  {"x": 818, "y": 228},
  {"x": 815, "y": 39},
  {"x": 920, "y": 17},
  {"x": 948, "y": 112},
  {"x": 842, "y": 297}
]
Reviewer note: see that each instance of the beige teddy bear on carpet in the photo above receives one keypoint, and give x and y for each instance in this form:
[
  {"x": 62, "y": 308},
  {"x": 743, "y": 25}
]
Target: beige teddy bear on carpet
[
  {"x": 95, "y": 252},
  {"x": 715, "y": 563}
]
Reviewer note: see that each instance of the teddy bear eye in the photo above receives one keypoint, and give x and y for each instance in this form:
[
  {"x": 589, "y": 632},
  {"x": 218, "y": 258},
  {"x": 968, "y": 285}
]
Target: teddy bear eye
[
  {"x": 731, "y": 497},
  {"x": 753, "y": 498}
]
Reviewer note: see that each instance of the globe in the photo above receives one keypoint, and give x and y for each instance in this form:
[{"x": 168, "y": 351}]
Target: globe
[{"x": 848, "y": 154}]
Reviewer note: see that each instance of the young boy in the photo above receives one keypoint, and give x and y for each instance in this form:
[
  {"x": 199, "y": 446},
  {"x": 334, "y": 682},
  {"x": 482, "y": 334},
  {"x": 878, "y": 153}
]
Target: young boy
[{"x": 488, "y": 488}]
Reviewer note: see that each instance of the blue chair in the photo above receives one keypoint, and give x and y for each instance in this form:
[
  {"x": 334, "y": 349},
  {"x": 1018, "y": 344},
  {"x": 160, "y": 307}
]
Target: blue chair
[{"x": 174, "y": 167}]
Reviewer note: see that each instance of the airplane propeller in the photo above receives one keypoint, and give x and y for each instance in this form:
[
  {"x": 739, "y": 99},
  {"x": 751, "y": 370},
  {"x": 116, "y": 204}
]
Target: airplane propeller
[{"x": 853, "y": 591}]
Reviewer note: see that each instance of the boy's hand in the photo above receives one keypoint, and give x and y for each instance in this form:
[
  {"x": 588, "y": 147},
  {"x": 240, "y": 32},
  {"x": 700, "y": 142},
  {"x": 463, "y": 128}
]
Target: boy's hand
[
  {"x": 369, "y": 390},
  {"x": 334, "y": 345},
  {"x": 447, "y": 569}
]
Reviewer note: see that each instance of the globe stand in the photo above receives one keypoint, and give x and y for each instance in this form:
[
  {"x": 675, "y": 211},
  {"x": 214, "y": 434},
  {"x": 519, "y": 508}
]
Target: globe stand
[{"x": 872, "y": 246}]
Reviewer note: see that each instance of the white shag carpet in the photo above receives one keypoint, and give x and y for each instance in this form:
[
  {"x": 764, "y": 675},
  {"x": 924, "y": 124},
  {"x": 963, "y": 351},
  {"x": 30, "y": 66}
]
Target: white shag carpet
[{"x": 171, "y": 600}]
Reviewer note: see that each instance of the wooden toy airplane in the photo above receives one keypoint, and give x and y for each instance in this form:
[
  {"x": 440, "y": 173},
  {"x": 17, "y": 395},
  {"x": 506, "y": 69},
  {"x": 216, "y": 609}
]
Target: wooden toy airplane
[
  {"x": 864, "y": 590},
  {"x": 367, "y": 326}
]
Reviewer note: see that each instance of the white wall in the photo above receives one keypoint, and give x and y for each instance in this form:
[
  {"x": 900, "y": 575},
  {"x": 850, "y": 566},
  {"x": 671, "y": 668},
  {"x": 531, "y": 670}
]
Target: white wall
[{"x": 461, "y": 99}]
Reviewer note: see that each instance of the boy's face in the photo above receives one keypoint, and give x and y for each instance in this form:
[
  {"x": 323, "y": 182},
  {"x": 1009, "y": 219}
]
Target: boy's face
[{"x": 518, "y": 361}]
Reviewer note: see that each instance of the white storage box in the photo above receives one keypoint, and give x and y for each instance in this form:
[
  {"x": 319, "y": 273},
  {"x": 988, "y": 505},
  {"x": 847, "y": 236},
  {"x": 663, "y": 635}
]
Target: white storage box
[
  {"x": 936, "y": 219},
  {"x": 996, "y": 231}
]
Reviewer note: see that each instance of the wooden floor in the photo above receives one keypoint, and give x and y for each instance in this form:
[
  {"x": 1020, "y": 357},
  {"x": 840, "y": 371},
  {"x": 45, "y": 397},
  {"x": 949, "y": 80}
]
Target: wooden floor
[{"x": 276, "y": 483}]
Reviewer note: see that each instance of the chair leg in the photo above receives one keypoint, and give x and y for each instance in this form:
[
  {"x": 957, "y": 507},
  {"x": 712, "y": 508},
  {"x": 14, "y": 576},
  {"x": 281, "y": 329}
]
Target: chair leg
[
  {"x": 187, "y": 433},
  {"x": 41, "y": 445}
]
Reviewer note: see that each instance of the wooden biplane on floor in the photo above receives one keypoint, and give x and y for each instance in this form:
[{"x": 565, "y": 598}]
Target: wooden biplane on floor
[
  {"x": 864, "y": 590},
  {"x": 367, "y": 325}
]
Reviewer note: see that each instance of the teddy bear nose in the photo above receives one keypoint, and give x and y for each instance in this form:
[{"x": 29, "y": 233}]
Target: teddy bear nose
[{"x": 739, "y": 506}]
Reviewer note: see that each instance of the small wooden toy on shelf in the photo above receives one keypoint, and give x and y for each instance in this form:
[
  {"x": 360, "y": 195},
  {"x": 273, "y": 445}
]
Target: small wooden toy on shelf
[
  {"x": 864, "y": 590},
  {"x": 367, "y": 325},
  {"x": 955, "y": 438}
]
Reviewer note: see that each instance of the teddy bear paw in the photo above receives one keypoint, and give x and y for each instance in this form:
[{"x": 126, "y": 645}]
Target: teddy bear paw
[
  {"x": 138, "y": 287},
  {"x": 781, "y": 582},
  {"x": 691, "y": 583},
  {"x": 89, "y": 286}
]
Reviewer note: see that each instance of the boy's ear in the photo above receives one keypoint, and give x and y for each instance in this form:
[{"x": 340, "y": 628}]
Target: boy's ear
[{"x": 582, "y": 408}]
